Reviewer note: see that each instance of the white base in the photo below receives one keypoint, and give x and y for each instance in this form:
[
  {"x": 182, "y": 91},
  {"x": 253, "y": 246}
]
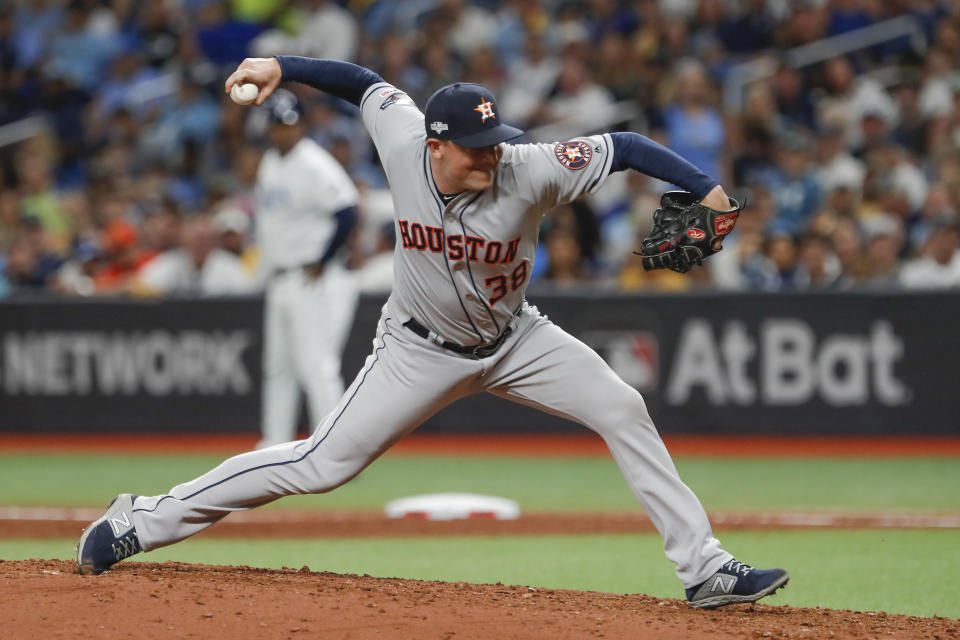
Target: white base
[{"x": 453, "y": 506}]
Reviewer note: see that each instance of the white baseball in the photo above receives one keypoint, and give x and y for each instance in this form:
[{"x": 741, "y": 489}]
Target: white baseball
[{"x": 244, "y": 93}]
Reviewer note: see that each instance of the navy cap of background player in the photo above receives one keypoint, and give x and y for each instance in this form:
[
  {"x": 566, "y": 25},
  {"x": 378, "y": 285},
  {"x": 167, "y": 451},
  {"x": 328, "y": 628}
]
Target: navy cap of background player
[
  {"x": 283, "y": 107},
  {"x": 467, "y": 114}
]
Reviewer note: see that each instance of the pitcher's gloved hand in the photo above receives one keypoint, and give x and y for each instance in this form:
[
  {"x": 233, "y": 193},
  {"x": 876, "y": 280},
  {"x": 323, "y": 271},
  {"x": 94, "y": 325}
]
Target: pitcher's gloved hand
[{"x": 685, "y": 232}]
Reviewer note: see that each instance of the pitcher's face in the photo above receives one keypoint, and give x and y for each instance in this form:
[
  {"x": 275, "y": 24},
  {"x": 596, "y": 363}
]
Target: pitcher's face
[{"x": 459, "y": 168}]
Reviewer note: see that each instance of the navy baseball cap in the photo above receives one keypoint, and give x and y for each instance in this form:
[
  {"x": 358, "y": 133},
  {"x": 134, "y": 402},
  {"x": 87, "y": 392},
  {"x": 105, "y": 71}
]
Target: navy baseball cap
[{"x": 467, "y": 114}]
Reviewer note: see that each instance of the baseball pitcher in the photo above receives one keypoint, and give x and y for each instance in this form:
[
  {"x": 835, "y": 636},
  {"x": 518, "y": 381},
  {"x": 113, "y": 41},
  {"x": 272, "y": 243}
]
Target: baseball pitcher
[{"x": 468, "y": 208}]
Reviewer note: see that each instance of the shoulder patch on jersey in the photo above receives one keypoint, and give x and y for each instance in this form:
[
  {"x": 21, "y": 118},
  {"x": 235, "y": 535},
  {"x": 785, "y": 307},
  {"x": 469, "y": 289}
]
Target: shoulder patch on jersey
[
  {"x": 574, "y": 155},
  {"x": 391, "y": 97}
]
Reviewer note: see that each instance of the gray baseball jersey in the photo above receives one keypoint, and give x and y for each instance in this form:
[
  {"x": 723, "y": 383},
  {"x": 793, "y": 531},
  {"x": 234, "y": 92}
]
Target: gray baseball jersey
[
  {"x": 462, "y": 268},
  {"x": 461, "y": 271}
]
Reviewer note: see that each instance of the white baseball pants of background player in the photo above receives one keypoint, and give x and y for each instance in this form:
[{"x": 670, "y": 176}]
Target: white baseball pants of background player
[
  {"x": 306, "y": 324},
  {"x": 407, "y": 379}
]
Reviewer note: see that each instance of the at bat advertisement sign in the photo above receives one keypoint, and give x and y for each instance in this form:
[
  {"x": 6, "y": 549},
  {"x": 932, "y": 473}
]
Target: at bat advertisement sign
[
  {"x": 805, "y": 363},
  {"x": 785, "y": 363}
]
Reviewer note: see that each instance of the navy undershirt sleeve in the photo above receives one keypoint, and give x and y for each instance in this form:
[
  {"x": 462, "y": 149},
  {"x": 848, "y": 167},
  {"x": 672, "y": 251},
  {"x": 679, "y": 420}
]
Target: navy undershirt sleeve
[
  {"x": 634, "y": 151},
  {"x": 341, "y": 79},
  {"x": 346, "y": 220}
]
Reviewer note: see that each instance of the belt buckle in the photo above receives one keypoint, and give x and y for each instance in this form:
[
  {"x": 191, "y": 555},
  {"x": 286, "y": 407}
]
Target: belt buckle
[{"x": 484, "y": 350}]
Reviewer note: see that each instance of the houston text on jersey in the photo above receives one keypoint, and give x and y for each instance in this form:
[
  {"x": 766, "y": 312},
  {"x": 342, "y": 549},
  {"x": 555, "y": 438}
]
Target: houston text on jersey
[{"x": 423, "y": 237}]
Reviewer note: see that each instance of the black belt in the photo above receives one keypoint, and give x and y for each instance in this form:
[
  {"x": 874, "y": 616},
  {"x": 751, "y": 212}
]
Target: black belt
[{"x": 477, "y": 351}]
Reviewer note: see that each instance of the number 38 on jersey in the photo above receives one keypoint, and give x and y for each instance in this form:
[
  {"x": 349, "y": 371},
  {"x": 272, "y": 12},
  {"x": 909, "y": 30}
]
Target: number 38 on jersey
[{"x": 457, "y": 247}]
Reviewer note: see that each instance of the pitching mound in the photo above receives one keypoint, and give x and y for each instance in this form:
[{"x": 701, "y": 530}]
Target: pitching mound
[{"x": 146, "y": 600}]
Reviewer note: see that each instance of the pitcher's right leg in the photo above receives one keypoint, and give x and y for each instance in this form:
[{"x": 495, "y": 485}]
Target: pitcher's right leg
[
  {"x": 553, "y": 371},
  {"x": 403, "y": 382}
]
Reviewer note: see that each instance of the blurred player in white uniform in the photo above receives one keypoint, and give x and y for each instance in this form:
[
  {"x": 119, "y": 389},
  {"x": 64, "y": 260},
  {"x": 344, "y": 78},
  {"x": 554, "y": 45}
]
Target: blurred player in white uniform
[{"x": 305, "y": 211}]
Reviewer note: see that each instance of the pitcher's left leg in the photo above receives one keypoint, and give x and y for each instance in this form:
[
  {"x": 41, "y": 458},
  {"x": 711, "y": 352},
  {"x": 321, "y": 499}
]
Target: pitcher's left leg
[
  {"x": 549, "y": 369},
  {"x": 402, "y": 383}
]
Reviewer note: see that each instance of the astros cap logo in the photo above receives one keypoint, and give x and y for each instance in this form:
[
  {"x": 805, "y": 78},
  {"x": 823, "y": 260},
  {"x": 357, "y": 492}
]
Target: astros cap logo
[
  {"x": 486, "y": 110},
  {"x": 451, "y": 114}
]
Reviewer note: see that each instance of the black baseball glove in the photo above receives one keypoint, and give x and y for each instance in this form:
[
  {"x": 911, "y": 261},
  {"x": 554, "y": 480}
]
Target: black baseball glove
[{"x": 685, "y": 232}]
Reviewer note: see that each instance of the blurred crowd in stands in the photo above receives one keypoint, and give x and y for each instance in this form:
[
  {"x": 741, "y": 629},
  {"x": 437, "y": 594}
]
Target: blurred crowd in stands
[{"x": 125, "y": 170}]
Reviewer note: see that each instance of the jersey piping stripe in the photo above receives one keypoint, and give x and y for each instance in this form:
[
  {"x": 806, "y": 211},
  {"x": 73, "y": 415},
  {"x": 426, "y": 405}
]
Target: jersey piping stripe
[
  {"x": 480, "y": 297},
  {"x": 432, "y": 188},
  {"x": 370, "y": 91},
  {"x": 304, "y": 456},
  {"x": 604, "y": 170}
]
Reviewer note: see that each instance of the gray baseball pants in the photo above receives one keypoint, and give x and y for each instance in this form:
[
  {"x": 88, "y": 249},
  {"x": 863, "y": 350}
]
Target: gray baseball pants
[{"x": 407, "y": 379}]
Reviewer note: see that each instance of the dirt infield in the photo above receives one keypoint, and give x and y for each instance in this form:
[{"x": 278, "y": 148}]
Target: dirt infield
[{"x": 142, "y": 600}]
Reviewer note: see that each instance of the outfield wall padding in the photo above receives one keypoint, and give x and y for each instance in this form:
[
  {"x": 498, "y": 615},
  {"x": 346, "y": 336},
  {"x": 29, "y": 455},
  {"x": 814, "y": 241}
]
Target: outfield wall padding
[{"x": 850, "y": 363}]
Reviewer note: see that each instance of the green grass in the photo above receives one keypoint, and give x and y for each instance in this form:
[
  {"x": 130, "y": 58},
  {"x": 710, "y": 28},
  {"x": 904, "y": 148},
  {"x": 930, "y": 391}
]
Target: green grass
[
  {"x": 538, "y": 484},
  {"x": 901, "y": 571},
  {"x": 909, "y": 572}
]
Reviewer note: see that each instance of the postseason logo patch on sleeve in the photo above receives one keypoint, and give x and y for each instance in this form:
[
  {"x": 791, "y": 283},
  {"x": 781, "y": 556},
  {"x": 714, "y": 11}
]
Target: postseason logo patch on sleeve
[
  {"x": 573, "y": 155},
  {"x": 390, "y": 97}
]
